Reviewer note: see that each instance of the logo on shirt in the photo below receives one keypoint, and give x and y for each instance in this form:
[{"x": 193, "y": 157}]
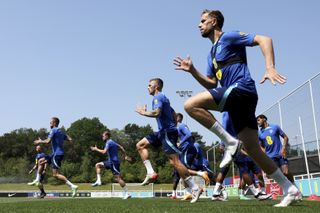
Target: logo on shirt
[
  {"x": 155, "y": 101},
  {"x": 219, "y": 49},
  {"x": 242, "y": 33},
  {"x": 219, "y": 74}
]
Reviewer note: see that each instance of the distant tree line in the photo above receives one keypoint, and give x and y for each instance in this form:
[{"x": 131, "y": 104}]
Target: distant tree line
[{"x": 17, "y": 153}]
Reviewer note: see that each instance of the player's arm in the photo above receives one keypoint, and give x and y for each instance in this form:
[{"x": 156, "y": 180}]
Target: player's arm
[
  {"x": 40, "y": 141},
  {"x": 262, "y": 146},
  {"x": 186, "y": 65},
  {"x": 33, "y": 168},
  {"x": 96, "y": 149},
  {"x": 285, "y": 145},
  {"x": 126, "y": 157},
  {"x": 68, "y": 138},
  {"x": 186, "y": 132},
  {"x": 153, "y": 114},
  {"x": 266, "y": 46}
]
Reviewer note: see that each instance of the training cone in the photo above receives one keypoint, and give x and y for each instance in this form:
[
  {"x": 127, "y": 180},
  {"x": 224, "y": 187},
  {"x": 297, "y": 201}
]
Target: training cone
[{"x": 313, "y": 197}]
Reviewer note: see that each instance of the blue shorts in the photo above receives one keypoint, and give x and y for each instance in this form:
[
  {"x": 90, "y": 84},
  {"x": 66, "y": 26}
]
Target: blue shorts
[
  {"x": 240, "y": 105},
  {"x": 253, "y": 167},
  {"x": 280, "y": 161},
  {"x": 203, "y": 167},
  {"x": 55, "y": 161},
  {"x": 114, "y": 167},
  {"x": 168, "y": 141},
  {"x": 188, "y": 155}
]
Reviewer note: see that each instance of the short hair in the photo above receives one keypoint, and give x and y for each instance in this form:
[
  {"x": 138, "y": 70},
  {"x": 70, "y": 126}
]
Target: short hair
[
  {"x": 107, "y": 132},
  {"x": 159, "y": 82},
  {"x": 215, "y": 14},
  {"x": 180, "y": 115},
  {"x": 262, "y": 116},
  {"x": 56, "y": 120}
]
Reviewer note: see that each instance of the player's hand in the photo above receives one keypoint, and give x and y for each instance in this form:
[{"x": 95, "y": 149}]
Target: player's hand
[
  {"x": 128, "y": 158},
  {"x": 273, "y": 75},
  {"x": 184, "y": 64},
  {"x": 283, "y": 153},
  {"x": 93, "y": 148},
  {"x": 38, "y": 141},
  {"x": 141, "y": 109}
]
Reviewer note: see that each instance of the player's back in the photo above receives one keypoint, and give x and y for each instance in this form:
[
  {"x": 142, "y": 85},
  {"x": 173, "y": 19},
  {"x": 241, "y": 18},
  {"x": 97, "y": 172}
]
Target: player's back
[
  {"x": 166, "y": 121},
  {"x": 58, "y": 137},
  {"x": 113, "y": 151}
]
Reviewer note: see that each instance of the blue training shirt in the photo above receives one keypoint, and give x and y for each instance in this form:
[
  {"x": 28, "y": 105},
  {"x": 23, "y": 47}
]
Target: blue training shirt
[
  {"x": 57, "y": 139},
  {"x": 200, "y": 156},
  {"x": 229, "y": 45},
  {"x": 112, "y": 149},
  {"x": 40, "y": 155},
  {"x": 270, "y": 140},
  {"x": 166, "y": 121},
  {"x": 185, "y": 136}
]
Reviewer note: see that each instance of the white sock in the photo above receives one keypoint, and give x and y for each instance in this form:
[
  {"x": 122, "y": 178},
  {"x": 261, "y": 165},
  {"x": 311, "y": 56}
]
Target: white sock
[
  {"x": 191, "y": 183},
  {"x": 70, "y": 184},
  {"x": 240, "y": 191},
  {"x": 223, "y": 134},
  {"x": 99, "y": 178},
  {"x": 188, "y": 190},
  {"x": 200, "y": 173},
  {"x": 174, "y": 192},
  {"x": 125, "y": 189},
  {"x": 148, "y": 166},
  {"x": 37, "y": 177},
  {"x": 279, "y": 177},
  {"x": 216, "y": 188},
  {"x": 253, "y": 189}
]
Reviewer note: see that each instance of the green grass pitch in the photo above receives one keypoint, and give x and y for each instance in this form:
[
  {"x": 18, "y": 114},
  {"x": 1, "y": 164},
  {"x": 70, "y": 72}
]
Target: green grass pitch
[{"x": 149, "y": 205}]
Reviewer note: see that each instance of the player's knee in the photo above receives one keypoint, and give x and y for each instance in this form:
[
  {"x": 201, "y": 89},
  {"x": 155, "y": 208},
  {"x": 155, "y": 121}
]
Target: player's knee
[
  {"x": 141, "y": 144},
  {"x": 188, "y": 106}
]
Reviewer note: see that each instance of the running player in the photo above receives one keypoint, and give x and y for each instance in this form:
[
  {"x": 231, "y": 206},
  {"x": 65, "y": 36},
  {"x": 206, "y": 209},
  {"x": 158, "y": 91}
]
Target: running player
[
  {"x": 39, "y": 159},
  {"x": 167, "y": 137},
  {"x": 56, "y": 138},
  {"x": 113, "y": 163},
  {"x": 269, "y": 137},
  {"x": 227, "y": 64}
]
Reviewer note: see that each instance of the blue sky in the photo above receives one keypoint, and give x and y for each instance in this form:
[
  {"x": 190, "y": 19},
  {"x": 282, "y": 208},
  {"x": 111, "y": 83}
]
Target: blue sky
[{"x": 77, "y": 58}]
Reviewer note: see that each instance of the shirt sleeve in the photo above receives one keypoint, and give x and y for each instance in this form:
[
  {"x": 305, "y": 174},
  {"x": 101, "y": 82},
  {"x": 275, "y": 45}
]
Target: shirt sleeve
[
  {"x": 185, "y": 132},
  {"x": 210, "y": 70},
  {"x": 51, "y": 134},
  {"x": 281, "y": 133},
  {"x": 239, "y": 38},
  {"x": 157, "y": 102}
]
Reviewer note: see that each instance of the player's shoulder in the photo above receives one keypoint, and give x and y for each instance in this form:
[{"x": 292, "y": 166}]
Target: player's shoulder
[{"x": 160, "y": 95}]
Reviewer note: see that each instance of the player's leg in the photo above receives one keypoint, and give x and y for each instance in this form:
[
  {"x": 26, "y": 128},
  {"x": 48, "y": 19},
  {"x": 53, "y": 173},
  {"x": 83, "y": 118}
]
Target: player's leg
[
  {"x": 184, "y": 174},
  {"x": 42, "y": 173},
  {"x": 115, "y": 168},
  {"x": 198, "y": 108},
  {"x": 242, "y": 190},
  {"x": 142, "y": 147},
  {"x": 219, "y": 181},
  {"x": 175, "y": 182},
  {"x": 56, "y": 165},
  {"x": 99, "y": 166},
  {"x": 253, "y": 167},
  {"x": 250, "y": 140},
  {"x": 285, "y": 169}
]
